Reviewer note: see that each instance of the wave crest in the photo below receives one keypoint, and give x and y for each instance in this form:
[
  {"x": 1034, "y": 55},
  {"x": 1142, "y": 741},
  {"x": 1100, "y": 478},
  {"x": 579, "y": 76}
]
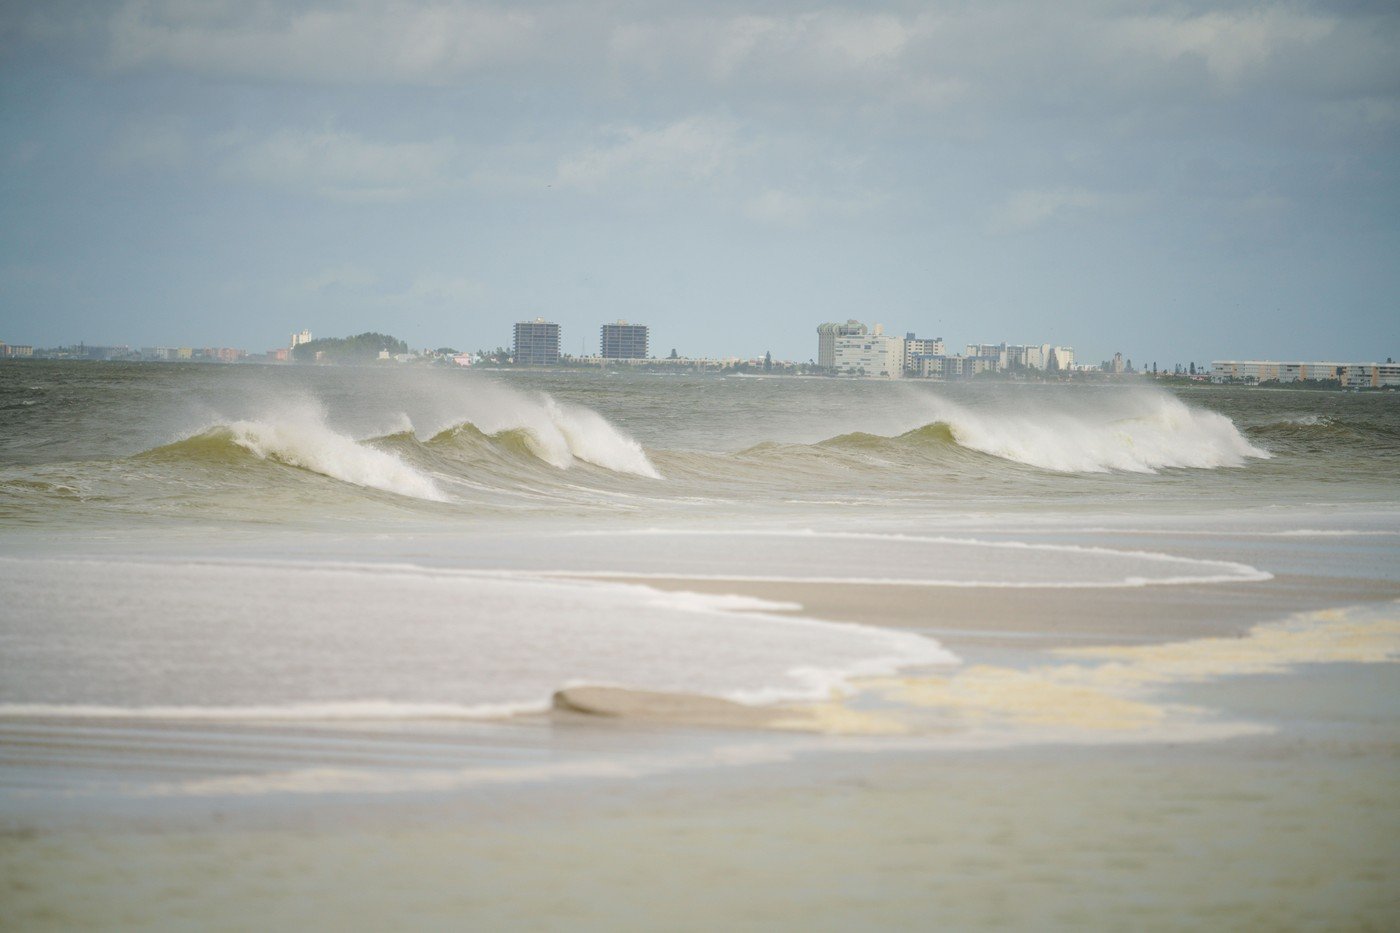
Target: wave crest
[
  {"x": 555, "y": 432},
  {"x": 1143, "y": 433},
  {"x": 506, "y": 431},
  {"x": 301, "y": 438}
]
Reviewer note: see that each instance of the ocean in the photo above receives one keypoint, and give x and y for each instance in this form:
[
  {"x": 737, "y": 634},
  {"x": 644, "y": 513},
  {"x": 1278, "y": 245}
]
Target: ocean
[
  {"x": 306, "y": 509},
  {"x": 256, "y": 583}
]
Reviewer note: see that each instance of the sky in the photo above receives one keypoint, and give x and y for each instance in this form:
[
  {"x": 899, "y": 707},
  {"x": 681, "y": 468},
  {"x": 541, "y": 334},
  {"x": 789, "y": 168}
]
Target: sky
[{"x": 1176, "y": 181}]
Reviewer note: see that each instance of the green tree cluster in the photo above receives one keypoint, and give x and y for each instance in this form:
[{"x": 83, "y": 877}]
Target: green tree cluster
[{"x": 361, "y": 348}]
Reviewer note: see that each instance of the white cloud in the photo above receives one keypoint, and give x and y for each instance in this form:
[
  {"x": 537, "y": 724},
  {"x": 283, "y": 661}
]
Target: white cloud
[
  {"x": 1232, "y": 45},
  {"x": 690, "y": 151},
  {"x": 342, "y": 166},
  {"x": 359, "y": 43}
]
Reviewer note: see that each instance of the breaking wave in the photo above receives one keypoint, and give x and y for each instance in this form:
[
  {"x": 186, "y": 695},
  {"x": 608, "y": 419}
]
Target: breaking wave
[
  {"x": 559, "y": 434},
  {"x": 301, "y": 438},
  {"x": 549, "y": 432},
  {"x": 1158, "y": 432},
  {"x": 489, "y": 449},
  {"x": 1145, "y": 433}
]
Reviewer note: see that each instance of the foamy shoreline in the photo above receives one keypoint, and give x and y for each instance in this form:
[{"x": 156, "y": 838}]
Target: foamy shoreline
[{"x": 710, "y": 815}]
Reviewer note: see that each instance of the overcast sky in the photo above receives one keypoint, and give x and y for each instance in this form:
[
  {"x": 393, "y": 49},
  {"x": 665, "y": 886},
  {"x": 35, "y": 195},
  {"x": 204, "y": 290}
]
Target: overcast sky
[{"x": 1174, "y": 180}]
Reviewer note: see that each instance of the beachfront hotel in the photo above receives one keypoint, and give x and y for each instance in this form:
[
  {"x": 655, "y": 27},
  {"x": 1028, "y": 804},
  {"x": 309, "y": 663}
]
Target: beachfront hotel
[
  {"x": 537, "y": 343},
  {"x": 623, "y": 341}
]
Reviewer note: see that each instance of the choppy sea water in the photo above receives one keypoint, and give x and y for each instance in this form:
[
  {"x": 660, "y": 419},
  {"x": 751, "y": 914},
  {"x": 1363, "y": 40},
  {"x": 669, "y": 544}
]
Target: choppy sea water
[{"x": 255, "y": 544}]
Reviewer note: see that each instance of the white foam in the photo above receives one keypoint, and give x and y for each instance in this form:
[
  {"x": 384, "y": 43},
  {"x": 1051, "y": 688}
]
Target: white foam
[
  {"x": 298, "y": 435},
  {"x": 559, "y": 433},
  {"x": 592, "y": 438},
  {"x": 1137, "y": 432}
]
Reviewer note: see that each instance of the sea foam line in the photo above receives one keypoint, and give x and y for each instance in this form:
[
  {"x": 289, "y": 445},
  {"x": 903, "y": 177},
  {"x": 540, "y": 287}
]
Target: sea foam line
[
  {"x": 1238, "y": 572},
  {"x": 1124, "y": 583}
]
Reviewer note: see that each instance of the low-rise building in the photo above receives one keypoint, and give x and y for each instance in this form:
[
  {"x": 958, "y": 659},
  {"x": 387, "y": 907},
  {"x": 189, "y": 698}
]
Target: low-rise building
[
  {"x": 1250, "y": 372},
  {"x": 958, "y": 366}
]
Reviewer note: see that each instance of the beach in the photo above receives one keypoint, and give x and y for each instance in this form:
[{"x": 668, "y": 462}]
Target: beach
[
  {"x": 1288, "y": 831},
  {"x": 357, "y": 669}
]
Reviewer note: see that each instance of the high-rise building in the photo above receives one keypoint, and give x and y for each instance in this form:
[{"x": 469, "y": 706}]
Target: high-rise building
[
  {"x": 917, "y": 348},
  {"x": 826, "y": 340},
  {"x": 537, "y": 343},
  {"x": 876, "y": 354},
  {"x": 623, "y": 341},
  {"x": 997, "y": 351}
]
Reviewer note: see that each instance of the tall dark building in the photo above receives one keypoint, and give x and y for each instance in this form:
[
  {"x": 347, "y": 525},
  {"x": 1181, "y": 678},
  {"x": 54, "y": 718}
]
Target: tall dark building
[
  {"x": 623, "y": 341},
  {"x": 537, "y": 343}
]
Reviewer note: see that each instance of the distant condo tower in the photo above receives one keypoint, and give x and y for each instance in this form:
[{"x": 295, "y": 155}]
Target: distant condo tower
[
  {"x": 537, "y": 343},
  {"x": 826, "y": 340},
  {"x": 623, "y": 341}
]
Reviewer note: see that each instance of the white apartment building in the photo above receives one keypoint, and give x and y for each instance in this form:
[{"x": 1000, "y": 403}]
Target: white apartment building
[
  {"x": 875, "y": 354},
  {"x": 1042, "y": 356},
  {"x": 997, "y": 351},
  {"x": 826, "y": 340},
  {"x": 916, "y": 349},
  {"x": 1060, "y": 358},
  {"x": 956, "y": 367}
]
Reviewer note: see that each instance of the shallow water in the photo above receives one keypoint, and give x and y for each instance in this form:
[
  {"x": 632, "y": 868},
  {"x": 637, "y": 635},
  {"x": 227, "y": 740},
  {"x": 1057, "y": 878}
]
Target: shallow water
[
  {"x": 1056, "y": 656},
  {"x": 300, "y": 509}
]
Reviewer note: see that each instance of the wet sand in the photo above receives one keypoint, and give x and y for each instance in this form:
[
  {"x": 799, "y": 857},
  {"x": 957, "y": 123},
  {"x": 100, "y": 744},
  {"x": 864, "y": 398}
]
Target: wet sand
[
  {"x": 1259, "y": 834},
  {"x": 1047, "y": 617},
  {"x": 1290, "y": 827}
]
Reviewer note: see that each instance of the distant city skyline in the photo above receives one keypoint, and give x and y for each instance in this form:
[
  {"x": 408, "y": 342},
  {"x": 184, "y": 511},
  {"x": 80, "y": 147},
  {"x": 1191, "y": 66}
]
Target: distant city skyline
[{"x": 1205, "y": 180}]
